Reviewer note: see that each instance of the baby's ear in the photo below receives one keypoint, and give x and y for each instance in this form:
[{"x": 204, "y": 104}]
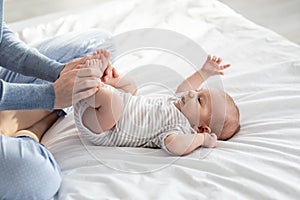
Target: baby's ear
[{"x": 204, "y": 129}]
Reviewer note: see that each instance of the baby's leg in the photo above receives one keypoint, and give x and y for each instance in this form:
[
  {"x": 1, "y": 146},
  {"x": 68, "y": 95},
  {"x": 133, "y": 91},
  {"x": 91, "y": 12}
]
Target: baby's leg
[{"x": 106, "y": 108}]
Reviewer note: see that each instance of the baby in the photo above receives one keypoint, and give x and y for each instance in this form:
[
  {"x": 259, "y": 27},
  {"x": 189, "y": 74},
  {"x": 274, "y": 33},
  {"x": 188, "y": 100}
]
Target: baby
[{"x": 114, "y": 116}]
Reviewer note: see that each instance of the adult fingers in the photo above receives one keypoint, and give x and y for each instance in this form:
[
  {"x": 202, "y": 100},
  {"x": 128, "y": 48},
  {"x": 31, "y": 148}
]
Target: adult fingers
[
  {"x": 88, "y": 72},
  {"x": 86, "y": 84},
  {"x": 83, "y": 95}
]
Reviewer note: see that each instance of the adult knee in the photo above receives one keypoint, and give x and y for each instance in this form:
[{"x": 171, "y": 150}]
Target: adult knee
[{"x": 27, "y": 171}]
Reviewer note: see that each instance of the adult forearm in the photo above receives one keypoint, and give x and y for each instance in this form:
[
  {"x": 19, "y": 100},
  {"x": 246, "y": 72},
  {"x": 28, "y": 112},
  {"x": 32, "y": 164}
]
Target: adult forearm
[
  {"x": 15, "y": 96},
  {"x": 15, "y": 55}
]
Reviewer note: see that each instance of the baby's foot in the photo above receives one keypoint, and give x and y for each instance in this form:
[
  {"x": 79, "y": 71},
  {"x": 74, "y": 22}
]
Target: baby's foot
[
  {"x": 102, "y": 51},
  {"x": 110, "y": 72},
  {"x": 93, "y": 63},
  {"x": 104, "y": 56}
]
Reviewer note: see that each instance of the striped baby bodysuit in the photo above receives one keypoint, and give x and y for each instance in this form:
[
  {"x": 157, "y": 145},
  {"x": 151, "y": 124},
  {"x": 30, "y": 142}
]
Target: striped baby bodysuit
[{"x": 145, "y": 122}]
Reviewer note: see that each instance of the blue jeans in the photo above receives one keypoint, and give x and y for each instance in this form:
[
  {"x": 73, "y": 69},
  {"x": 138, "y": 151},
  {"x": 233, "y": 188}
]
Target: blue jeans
[{"x": 27, "y": 168}]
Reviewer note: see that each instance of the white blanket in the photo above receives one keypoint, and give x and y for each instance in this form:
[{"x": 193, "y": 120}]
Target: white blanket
[{"x": 261, "y": 162}]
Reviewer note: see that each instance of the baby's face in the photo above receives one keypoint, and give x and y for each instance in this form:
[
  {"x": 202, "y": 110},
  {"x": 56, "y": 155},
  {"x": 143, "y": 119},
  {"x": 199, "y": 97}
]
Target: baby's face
[{"x": 196, "y": 107}]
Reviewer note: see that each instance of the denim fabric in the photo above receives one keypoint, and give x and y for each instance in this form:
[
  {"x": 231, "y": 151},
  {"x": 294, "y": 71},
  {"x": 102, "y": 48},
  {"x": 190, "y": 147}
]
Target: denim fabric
[{"x": 28, "y": 171}]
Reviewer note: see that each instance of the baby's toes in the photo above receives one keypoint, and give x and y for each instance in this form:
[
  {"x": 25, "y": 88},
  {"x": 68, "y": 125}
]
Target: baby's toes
[
  {"x": 106, "y": 54},
  {"x": 104, "y": 61},
  {"x": 92, "y": 63}
]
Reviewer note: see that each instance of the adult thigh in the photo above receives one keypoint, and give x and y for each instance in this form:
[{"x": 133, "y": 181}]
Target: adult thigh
[{"x": 66, "y": 47}]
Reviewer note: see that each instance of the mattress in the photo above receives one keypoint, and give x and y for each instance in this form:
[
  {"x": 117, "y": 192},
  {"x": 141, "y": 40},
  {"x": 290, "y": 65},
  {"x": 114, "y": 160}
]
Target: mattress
[{"x": 261, "y": 162}]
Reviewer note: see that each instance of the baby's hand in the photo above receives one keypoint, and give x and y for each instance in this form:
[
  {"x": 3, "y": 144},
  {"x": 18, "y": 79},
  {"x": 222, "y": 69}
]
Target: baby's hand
[
  {"x": 212, "y": 67},
  {"x": 210, "y": 140}
]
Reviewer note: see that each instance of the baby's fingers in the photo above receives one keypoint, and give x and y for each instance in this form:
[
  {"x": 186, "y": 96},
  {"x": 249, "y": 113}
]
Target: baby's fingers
[
  {"x": 210, "y": 140},
  {"x": 214, "y": 58},
  {"x": 214, "y": 136},
  {"x": 222, "y": 67},
  {"x": 219, "y": 60},
  {"x": 115, "y": 73}
]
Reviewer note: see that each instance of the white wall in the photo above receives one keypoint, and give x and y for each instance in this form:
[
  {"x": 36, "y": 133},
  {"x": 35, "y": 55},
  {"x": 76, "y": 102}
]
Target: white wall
[{"x": 282, "y": 16}]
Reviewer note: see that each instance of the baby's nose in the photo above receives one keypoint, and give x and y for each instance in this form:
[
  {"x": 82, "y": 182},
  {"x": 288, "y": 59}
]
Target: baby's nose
[{"x": 191, "y": 94}]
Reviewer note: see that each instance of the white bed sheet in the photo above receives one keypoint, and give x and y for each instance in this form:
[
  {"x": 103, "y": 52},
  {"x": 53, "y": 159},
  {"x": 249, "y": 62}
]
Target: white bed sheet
[{"x": 261, "y": 162}]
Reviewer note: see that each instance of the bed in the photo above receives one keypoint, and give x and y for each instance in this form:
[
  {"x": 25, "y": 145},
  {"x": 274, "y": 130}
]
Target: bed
[{"x": 261, "y": 162}]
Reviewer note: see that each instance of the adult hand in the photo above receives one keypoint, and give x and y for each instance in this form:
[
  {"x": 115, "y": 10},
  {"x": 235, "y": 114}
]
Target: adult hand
[
  {"x": 75, "y": 85},
  {"x": 74, "y": 63}
]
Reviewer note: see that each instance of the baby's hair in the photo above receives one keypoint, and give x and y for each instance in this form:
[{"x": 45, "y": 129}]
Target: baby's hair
[
  {"x": 225, "y": 126},
  {"x": 231, "y": 124}
]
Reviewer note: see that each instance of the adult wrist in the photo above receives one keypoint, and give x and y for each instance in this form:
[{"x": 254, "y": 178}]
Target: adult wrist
[{"x": 60, "y": 71}]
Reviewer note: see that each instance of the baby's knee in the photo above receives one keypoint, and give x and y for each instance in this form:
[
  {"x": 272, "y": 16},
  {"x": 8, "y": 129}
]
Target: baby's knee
[{"x": 28, "y": 171}]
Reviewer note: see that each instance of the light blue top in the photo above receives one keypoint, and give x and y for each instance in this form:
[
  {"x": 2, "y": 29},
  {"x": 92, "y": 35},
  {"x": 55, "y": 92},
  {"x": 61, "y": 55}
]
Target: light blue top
[{"x": 18, "y": 57}]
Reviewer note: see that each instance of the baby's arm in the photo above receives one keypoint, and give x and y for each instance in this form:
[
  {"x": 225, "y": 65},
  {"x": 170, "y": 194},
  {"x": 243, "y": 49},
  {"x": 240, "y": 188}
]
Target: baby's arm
[
  {"x": 211, "y": 67},
  {"x": 182, "y": 144}
]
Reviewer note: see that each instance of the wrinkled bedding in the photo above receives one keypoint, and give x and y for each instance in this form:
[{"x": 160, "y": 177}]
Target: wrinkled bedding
[{"x": 261, "y": 162}]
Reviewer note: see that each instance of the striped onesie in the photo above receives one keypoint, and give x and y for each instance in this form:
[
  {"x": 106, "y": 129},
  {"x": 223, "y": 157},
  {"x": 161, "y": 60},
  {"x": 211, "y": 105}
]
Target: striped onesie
[{"x": 145, "y": 122}]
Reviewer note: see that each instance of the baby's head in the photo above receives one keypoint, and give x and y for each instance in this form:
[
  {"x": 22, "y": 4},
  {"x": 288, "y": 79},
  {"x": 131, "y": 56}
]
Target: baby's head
[
  {"x": 225, "y": 119},
  {"x": 210, "y": 110}
]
